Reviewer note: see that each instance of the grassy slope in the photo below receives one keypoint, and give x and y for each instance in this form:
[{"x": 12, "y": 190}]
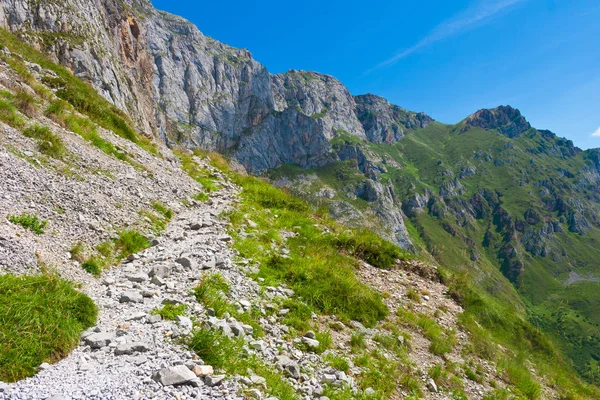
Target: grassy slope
[
  {"x": 496, "y": 310},
  {"x": 541, "y": 285}
]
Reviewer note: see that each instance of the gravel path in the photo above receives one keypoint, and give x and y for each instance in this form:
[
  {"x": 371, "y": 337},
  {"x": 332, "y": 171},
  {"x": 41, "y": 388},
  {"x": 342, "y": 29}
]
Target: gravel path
[{"x": 126, "y": 295}]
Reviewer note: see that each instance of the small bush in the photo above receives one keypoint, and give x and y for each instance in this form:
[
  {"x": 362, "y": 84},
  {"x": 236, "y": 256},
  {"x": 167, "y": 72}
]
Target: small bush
[
  {"x": 171, "y": 311},
  {"x": 29, "y": 221},
  {"x": 48, "y": 143},
  {"x": 41, "y": 318}
]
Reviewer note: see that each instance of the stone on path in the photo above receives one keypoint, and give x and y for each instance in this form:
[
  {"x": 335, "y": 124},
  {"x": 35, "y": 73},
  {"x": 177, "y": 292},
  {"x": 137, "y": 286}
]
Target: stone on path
[{"x": 171, "y": 376}]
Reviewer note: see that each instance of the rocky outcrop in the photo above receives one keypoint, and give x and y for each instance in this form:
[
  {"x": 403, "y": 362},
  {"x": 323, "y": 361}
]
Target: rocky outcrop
[
  {"x": 504, "y": 119},
  {"x": 384, "y": 122}
]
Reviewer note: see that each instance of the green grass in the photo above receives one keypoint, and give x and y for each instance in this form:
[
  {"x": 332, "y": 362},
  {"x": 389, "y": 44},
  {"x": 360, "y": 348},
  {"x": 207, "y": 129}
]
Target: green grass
[
  {"x": 338, "y": 362},
  {"x": 129, "y": 242},
  {"x": 165, "y": 211},
  {"x": 413, "y": 295},
  {"x": 25, "y": 103},
  {"x": 299, "y": 316},
  {"x": 521, "y": 378},
  {"x": 59, "y": 112},
  {"x": 78, "y": 252},
  {"x": 29, "y": 221},
  {"x": 386, "y": 376},
  {"x": 41, "y": 318},
  {"x": 325, "y": 341},
  {"x": 199, "y": 174},
  {"x": 212, "y": 291},
  {"x": 201, "y": 196},
  {"x": 111, "y": 252},
  {"x": 357, "y": 340},
  {"x": 93, "y": 266},
  {"x": 442, "y": 341},
  {"x": 48, "y": 142},
  {"x": 225, "y": 353},
  {"x": 170, "y": 311},
  {"x": 8, "y": 115},
  {"x": 320, "y": 266}
]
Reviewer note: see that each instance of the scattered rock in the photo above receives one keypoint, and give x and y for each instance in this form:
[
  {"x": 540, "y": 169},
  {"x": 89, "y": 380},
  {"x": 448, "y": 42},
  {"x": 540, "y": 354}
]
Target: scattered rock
[
  {"x": 99, "y": 340},
  {"x": 214, "y": 380},
  {"x": 431, "y": 386},
  {"x": 202, "y": 370},
  {"x": 131, "y": 297},
  {"x": 172, "y": 376}
]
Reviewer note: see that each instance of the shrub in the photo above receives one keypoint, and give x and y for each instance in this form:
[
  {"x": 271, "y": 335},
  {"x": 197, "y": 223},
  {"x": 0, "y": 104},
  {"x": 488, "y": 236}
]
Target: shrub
[
  {"x": 29, "y": 221},
  {"x": 48, "y": 143},
  {"x": 41, "y": 319}
]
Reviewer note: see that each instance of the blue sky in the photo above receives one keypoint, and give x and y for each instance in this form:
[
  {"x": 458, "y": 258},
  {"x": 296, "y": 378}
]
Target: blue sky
[{"x": 446, "y": 58}]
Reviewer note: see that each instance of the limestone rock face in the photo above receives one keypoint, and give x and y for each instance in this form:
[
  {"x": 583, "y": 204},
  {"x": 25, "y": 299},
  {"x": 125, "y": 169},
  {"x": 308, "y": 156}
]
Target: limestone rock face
[
  {"x": 187, "y": 88},
  {"x": 384, "y": 122}
]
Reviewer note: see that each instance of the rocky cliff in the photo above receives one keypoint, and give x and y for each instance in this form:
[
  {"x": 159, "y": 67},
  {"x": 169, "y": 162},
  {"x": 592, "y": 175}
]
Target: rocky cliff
[{"x": 187, "y": 88}]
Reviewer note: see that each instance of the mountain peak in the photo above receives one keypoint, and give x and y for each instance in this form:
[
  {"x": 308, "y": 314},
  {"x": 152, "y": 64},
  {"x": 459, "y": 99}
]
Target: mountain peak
[{"x": 505, "y": 119}]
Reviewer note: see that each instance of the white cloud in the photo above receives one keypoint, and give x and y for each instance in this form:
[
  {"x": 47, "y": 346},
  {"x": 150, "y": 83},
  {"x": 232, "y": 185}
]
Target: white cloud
[
  {"x": 478, "y": 14},
  {"x": 597, "y": 133}
]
